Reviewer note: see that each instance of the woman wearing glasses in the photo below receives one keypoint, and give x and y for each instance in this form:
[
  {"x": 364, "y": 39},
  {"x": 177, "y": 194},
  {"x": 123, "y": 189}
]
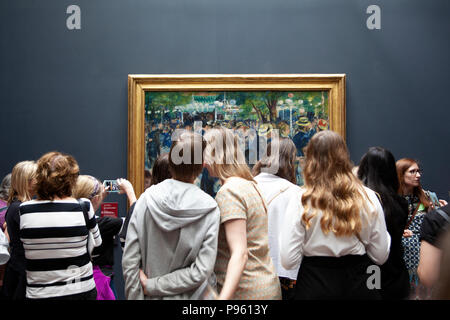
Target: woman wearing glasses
[{"x": 420, "y": 202}]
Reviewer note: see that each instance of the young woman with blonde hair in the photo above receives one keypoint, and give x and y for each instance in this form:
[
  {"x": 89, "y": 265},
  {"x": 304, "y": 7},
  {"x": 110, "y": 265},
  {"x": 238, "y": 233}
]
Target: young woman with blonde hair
[
  {"x": 339, "y": 230},
  {"x": 243, "y": 267},
  {"x": 103, "y": 256},
  {"x": 23, "y": 179}
]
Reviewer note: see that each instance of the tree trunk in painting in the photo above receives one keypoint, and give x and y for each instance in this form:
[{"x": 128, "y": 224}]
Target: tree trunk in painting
[
  {"x": 272, "y": 106},
  {"x": 259, "y": 113}
]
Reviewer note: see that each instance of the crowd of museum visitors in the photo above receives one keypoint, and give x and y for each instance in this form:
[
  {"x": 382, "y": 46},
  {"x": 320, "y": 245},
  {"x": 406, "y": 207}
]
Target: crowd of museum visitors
[{"x": 348, "y": 232}]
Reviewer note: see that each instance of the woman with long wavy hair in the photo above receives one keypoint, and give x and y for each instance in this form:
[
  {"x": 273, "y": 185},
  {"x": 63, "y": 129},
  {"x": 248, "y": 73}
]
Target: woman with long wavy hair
[{"x": 340, "y": 230}]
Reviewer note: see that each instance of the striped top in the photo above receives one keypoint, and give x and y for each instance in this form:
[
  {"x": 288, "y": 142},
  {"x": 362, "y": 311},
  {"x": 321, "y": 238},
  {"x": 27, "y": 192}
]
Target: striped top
[
  {"x": 241, "y": 199},
  {"x": 54, "y": 236}
]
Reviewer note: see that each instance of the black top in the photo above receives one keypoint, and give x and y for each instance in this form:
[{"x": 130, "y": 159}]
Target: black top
[
  {"x": 394, "y": 275},
  {"x": 17, "y": 254},
  {"x": 123, "y": 233},
  {"x": 104, "y": 254},
  {"x": 434, "y": 225}
]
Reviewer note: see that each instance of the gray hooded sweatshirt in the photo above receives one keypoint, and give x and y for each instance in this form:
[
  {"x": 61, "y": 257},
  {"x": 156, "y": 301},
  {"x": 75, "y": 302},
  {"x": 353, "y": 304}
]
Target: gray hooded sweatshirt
[{"x": 172, "y": 237}]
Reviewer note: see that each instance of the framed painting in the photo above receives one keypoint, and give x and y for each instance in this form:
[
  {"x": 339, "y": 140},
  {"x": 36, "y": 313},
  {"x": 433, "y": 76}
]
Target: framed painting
[{"x": 297, "y": 105}]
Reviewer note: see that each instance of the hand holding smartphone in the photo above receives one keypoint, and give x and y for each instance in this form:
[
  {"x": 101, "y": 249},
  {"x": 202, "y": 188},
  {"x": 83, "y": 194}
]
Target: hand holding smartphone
[{"x": 111, "y": 186}]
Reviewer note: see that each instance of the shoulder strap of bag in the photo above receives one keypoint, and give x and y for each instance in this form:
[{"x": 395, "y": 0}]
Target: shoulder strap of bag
[
  {"x": 413, "y": 215},
  {"x": 277, "y": 194},
  {"x": 3, "y": 208},
  {"x": 262, "y": 198},
  {"x": 86, "y": 220}
]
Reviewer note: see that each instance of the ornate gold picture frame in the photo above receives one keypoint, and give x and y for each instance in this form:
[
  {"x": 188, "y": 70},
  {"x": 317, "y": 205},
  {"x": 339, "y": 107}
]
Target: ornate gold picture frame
[{"x": 315, "y": 99}]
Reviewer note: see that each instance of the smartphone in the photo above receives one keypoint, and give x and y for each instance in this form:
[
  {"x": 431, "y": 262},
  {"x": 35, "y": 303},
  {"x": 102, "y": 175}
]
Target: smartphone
[{"x": 112, "y": 184}]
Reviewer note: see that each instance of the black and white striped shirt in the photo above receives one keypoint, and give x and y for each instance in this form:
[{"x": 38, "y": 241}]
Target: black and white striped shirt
[{"x": 54, "y": 236}]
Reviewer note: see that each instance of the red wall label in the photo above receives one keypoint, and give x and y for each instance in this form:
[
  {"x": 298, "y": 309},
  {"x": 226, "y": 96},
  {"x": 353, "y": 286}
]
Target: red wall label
[{"x": 110, "y": 209}]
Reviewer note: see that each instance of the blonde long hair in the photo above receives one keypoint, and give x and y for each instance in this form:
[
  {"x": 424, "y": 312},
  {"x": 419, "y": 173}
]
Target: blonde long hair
[
  {"x": 223, "y": 155},
  {"x": 331, "y": 187},
  {"x": 22, "y": 177}
]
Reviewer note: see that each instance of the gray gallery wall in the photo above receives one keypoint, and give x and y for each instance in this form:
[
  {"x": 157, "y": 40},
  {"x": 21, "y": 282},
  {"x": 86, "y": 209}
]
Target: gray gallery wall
[{"x": 66, "y": 89}]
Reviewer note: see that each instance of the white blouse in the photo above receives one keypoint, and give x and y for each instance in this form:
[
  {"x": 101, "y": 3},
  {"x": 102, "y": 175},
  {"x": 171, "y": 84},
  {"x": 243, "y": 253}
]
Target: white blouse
[
  {"x": 282, "y": 196},
  {"x": 296, "y": 241}
]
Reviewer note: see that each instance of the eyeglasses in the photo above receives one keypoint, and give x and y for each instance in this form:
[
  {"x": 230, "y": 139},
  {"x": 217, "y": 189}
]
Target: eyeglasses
[{"x": 415, "y": 171}]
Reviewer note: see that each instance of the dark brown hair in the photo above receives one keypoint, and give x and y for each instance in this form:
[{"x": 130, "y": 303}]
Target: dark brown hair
[
  {"x": 284, "y": 158},
  {"x": 56, "y": 175},
  {"x": 191, "y": 163},
  {"x": 160, "y": 169}
]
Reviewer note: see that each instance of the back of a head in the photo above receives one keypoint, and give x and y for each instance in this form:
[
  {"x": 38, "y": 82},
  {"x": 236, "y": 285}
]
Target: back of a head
[
  {"x": 280, "y": 156},
  {"x": 331, "y": 187},
  {"x": 22, "y": 177},
  {"x": 160, "y": 169},
  {"x": 86, "y": 187},
  {"x": 378, "y": 172},
  {"x": 186, "y": 156},
  {"x": 326, "y": 156},
  {"x": 224, "y": 156},
  {"x": 56, "y": 176},
  {"x": 5, "y": 186}
]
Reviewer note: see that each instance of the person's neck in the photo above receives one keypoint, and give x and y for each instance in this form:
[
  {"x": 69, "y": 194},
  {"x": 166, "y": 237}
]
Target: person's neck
[
  {"x": 225, "y": 180},
  {"x": 191, "y": 181},
  {"x": 407, "y": 190},
  {"x": 64, "y": 198}
]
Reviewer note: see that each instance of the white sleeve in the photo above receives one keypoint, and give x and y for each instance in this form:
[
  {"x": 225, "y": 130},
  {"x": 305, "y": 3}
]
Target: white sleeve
[
  {"x": 377, "y": 239},
  {"x": 93, "y": 226},
  {"x": 292, "y": 235}
]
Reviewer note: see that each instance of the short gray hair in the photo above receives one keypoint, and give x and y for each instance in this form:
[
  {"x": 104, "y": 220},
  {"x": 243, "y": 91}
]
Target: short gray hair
[{"x": 5, "y": 186}]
